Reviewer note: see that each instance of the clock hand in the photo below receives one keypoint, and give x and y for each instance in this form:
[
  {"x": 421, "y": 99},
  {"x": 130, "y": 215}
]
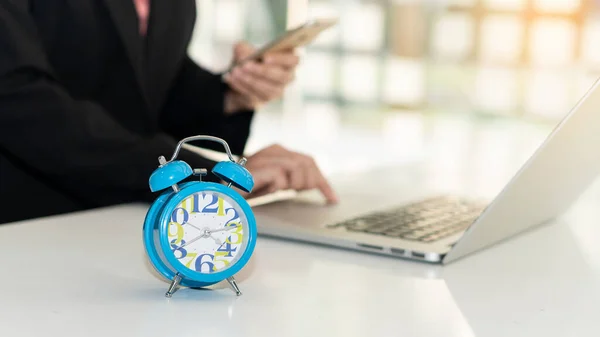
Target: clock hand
[
  {"x": 206, "y": 234},
  {"x": 228, "y": 228},
  {"x": 191, "y": 241},
  {"x": 217, "y": 241},
  {"x": 196, "y": 238},
  {"x": 189, "y": 224}
]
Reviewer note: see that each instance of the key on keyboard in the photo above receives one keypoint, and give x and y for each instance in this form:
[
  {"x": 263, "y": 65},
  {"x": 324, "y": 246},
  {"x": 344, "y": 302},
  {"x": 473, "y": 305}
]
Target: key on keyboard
[{"x": 425, "y": 221}]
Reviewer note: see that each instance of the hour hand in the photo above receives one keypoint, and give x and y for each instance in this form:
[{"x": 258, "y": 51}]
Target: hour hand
[{"x": 189, "y": 224}]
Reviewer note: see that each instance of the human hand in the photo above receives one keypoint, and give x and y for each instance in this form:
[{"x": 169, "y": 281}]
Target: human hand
[
  {"x": 276, "y": 168},
  {"x": 256, "y": 83}
]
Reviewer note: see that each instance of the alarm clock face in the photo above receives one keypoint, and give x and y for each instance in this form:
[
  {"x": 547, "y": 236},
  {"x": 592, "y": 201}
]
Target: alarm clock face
[{"x": 207, "y": 232}]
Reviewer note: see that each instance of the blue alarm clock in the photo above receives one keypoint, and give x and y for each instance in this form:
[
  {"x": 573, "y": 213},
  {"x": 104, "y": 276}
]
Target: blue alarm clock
[{"x": 198, "y": 233}]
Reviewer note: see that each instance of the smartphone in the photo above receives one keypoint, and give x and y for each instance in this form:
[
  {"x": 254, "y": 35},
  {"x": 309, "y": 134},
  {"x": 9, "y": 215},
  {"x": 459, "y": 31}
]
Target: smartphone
[{"x": 293, "y": 38}]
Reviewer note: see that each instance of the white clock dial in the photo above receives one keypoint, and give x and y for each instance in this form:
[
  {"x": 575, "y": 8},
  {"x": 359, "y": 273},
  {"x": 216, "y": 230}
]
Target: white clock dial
[{"x": 207, "y": 232}]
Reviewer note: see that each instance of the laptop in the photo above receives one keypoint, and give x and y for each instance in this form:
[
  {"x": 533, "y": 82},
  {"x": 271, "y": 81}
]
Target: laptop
[{"x": 390, "y": 212}]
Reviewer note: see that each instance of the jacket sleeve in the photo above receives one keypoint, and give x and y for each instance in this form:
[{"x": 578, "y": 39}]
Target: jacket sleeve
[
  {"x": 196, "y": 106},
  {"x": 74, "y": 145}
]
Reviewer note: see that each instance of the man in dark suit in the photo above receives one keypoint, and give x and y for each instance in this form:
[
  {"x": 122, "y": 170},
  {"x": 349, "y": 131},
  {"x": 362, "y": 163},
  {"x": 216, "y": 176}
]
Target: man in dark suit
[{"x": 93, "y": 91}]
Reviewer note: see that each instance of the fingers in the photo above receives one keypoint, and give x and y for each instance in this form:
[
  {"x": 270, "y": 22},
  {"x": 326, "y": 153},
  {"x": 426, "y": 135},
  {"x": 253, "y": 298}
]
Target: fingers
[
  {"x": 262, "y": 81},
  {"x": 242, "y": 50},
  {"x": 273, "y": 74},
  {"x": 282, "y": 169},
  {"x": 270, "y": 179},
  {"x": 327, "y": 190},
  {"x": 256, "y": 87},
  {"x": 275, "y": 150},
  {"x": 298, "y": 177},
  {"x": 291, "y": 169},
  {"x": 315, "y": 179},
  {"x": 240, "y": 86},
  {"x": 280, "y": 181},
  {"x": 286, "y": 60}
]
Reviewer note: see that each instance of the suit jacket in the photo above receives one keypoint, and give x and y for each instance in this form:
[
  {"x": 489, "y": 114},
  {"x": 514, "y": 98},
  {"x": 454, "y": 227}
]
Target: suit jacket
[{"x": 87, "y": 104}]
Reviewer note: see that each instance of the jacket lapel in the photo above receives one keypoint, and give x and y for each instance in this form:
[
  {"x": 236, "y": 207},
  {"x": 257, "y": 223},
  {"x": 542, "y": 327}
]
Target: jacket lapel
[
  {"x": 170, "y": 27},
  {"x": 125, "y": 19}
]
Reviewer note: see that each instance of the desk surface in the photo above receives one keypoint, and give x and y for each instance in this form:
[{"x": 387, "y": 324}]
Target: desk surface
[{"x": 85, "y": 275}]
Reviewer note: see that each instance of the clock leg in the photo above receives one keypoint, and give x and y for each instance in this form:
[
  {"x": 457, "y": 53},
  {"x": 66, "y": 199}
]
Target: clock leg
[
  {"x": 234, "y": 285},
  {"x": 174, "y": 284}
]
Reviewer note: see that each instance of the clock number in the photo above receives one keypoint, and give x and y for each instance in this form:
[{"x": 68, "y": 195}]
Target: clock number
[
  {"x": 195, "y": 200},
  {"x": 234, "y": 217},
  {"x": 179, "y": 231},
  {"x": 191, "y": 204},
  {"x": 218, "y": 209},
  {"x": 237, "y": 232},
  {"x": 209, "y": 262},
  {"x": 225, "y": 249},
  {"x": 177, "y": 248},
  {"x": 175, "y": 215},
  {"x": 219, "y": 254},
  {"x": 221, "y": 207},
  {"x": 193, "y": 256}
]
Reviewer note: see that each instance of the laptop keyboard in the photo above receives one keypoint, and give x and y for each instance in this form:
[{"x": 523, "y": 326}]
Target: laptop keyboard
[{"x": 425, "y": 221}]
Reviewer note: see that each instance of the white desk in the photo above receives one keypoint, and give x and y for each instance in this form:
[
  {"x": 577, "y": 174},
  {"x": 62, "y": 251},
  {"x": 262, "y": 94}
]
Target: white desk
[{"x": 85, "y": 275}]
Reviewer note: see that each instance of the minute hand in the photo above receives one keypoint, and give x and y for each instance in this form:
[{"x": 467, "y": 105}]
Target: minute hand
[{"x": 228, "y": 228}]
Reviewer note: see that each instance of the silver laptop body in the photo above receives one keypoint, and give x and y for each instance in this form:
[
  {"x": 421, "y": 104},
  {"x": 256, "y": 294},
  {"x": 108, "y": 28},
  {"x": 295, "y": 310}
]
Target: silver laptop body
[{"x": 389, "y": 211}]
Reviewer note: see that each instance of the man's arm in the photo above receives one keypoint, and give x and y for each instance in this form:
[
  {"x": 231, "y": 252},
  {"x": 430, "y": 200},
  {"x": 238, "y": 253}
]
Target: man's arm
[
  {"x": 196, "y": 105},
  {"x": 70, "y": 143}
]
